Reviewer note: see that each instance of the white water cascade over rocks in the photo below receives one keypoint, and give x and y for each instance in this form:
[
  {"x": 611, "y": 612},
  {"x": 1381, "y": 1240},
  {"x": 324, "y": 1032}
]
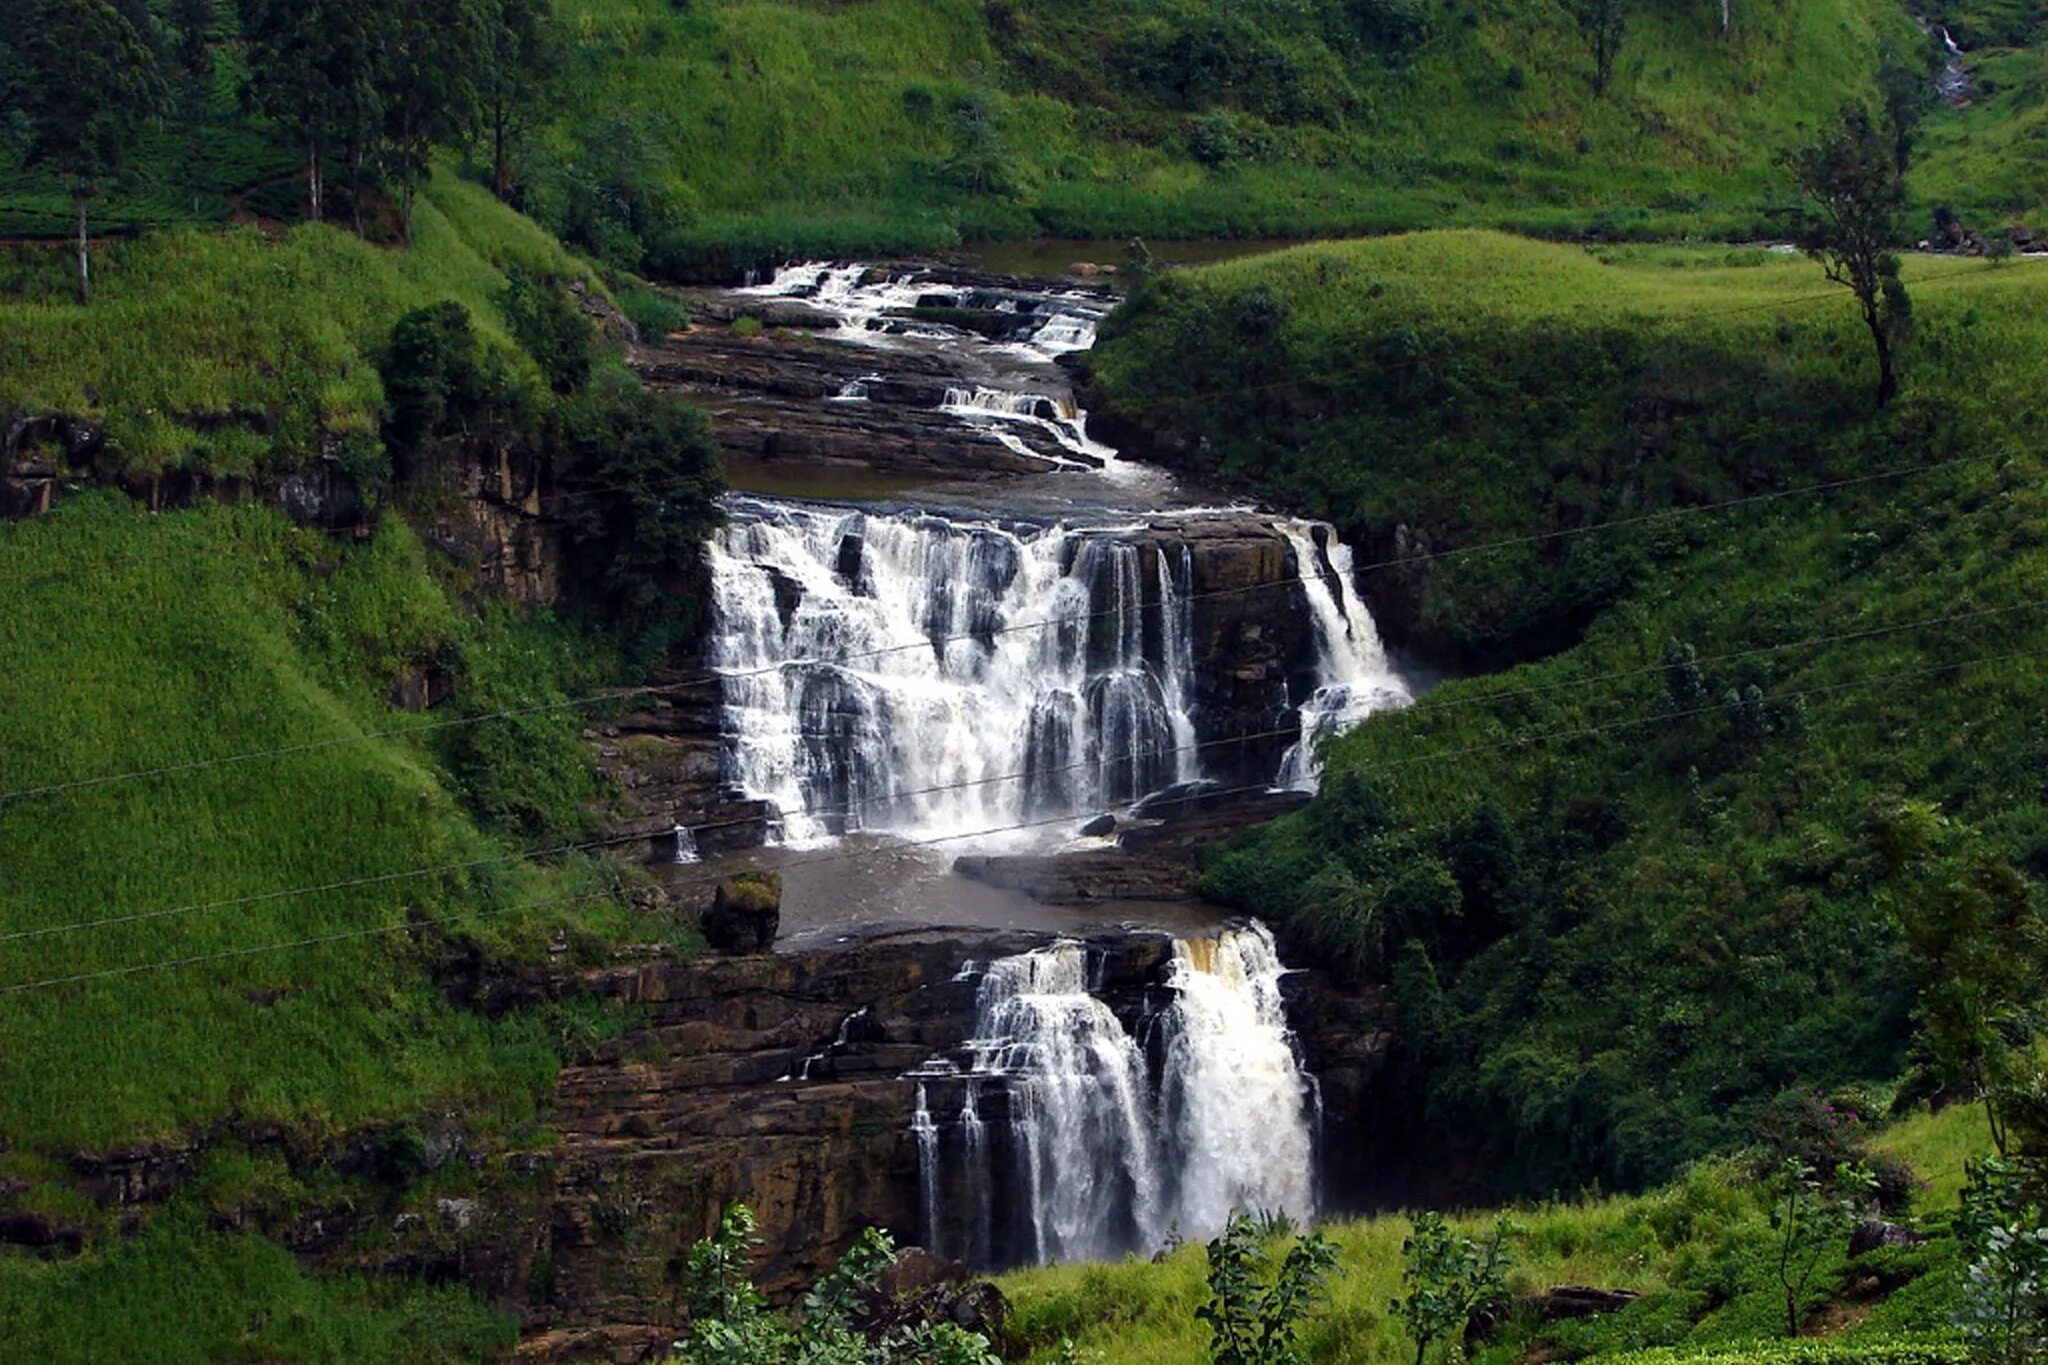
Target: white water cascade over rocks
[
  {"x": 1072, "y": 1131},
  {"x": 912, "y": 673}
]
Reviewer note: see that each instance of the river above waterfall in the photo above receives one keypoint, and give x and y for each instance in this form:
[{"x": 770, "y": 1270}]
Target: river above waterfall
[
  {"x": 945, "y": 615},
  {"x": 975, "y": 669}
]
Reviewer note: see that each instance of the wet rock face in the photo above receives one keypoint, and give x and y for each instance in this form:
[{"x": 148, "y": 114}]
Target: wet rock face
[
  {"x": 1253, "y": 639},
  {"x": 773, "y": 1079}
]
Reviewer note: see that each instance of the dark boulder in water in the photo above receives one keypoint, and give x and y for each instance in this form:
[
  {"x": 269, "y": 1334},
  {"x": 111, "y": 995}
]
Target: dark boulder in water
[{"x": 746, "y": 914}]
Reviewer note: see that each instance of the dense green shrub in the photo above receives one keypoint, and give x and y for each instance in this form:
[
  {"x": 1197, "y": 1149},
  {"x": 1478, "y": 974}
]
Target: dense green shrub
[
  {"x": 545, "y": 321},
  {"x": 444, "y": 395},
  {"x": 640, "y": 479},
  {"x": 656, "y": 314}
]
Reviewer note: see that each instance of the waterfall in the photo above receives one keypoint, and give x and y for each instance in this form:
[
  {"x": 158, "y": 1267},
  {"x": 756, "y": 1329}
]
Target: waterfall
[
  {"x": 869, "y": 305},
  {"x": 927, "y": 1134},
  {"x": 1119, "y": 1137},
  {"x": 686, "y": 846},
  {"x": 891, "y": 672},
  {"x": 1058, "y": 418},
  {"x": 1352, "y": 675}
]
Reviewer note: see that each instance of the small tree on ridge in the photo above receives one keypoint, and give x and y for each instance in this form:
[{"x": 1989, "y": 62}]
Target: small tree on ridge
[{"x": 1853, "y": 176}]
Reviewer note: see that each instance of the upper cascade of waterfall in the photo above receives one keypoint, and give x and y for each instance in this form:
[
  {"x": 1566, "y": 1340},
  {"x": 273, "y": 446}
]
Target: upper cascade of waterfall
[
  {"x": 936, "y": 677},
  {"x": 1070, "y": 1133},
  {"x": 872, "y": 306}
]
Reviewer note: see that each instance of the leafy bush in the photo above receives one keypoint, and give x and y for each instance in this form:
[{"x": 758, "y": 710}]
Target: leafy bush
[
  {"x": 546, "y": 323},
  {"x": 656, "y": 314},
  {"x": 444, "y": 395},
  {"x": 1448, "y": 1277},
  {"x": 730, "y": 1323},
  {"x": 641, "y": 479},
  {"x": 1253, "y": 1321}
]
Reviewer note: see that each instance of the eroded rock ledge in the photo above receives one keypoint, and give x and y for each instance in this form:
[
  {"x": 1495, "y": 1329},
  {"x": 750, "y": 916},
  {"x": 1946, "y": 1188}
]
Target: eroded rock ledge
[{"x": 771, "y": 1078}]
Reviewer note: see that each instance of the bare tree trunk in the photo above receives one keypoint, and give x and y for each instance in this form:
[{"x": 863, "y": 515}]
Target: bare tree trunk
[
  {"x": 501, "y": 172},
  {"x": 1887, "y": 374},
  {"x": 84, "y": 253},
  {"x": 406, "y": 231},
  {"x": 313, "y": 181}
]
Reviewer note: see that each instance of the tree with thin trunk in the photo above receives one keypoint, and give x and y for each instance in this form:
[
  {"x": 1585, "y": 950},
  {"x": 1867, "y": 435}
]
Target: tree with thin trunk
[
  {"x": 522, "y": 61},
  {"x": 433, "y": 87},
  {"x": 1604, "y": 24},
  {"x": 93, "y": 83},
  {"x": 288, "y": 79},
  {"x": 1853, "y": 177}
]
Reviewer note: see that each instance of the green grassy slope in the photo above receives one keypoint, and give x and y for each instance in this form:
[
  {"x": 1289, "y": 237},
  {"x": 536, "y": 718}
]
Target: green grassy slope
[
  {"x": 133, "y": 641},
  {"x": 239, "y": 350},
  {"x": 729, "y": 132},
  {"x": 182, "y": 1294},
  {"x": 1989, "y": 159},
  {"x": 1698, "y": 1251},
  {"x": 789, "y": 127},
  {"x": 1618, "y": 909}
]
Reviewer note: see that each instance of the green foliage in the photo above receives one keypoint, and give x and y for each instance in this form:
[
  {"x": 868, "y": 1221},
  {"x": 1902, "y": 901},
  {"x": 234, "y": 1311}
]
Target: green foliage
[
  {"x": 1808, "y": 1352},
  {"x": 730, "y": 1323},
  {"x": 1448, "y": 1277},
  {"x": 642, "y": 479},
  {"x": 545, "y": 321},
  {"x": 2004, "y": 1236},
  {"x": 1974, "y": 941},
  {"x": 1253, "y": 1321},
  {"x": 726, "y": 135},
  {"x": 1684, "y": 785},
  {"x": 180, "y": 1294},
  {"x": 656, "y": 314},
  {"x": 201, "y": 346}
]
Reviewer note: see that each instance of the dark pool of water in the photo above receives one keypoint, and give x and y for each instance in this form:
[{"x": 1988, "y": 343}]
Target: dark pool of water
[{"x": 864, "y": 882}]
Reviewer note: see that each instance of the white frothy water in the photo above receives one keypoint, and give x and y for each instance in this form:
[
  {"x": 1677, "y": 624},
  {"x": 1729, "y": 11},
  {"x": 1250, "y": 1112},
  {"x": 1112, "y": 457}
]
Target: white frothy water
[
  {"x": 869, "y": 302},
  {"x": 988, "y": 409},
  {"x": 1103, "y": 1154},
  {"x": 1353, "y": 678},
  {"x": 896, "y": 672}
]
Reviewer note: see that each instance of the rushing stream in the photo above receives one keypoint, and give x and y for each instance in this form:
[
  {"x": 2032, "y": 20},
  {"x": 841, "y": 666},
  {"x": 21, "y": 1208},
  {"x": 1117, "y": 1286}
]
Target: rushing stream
[
  {"x": 928, "y": 669},
  {"x": 935, "y": 674}
]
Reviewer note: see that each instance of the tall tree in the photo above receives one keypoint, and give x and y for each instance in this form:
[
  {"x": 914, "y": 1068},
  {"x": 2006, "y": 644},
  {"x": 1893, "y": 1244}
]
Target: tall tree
[
  {"x": 522, "y": 61},
  {"x": 309, "y": 64},
  {"x": 92, "y": 84},
  {"x": 1604, "y": 24},
  {"x": 1853, "y": 177},
  {"x": 196, "y": 25},
  {"x": 433, "y": 88}
]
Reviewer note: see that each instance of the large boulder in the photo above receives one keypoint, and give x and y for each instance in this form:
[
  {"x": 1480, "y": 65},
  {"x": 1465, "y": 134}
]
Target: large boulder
[{"x": 745, "y": 914}]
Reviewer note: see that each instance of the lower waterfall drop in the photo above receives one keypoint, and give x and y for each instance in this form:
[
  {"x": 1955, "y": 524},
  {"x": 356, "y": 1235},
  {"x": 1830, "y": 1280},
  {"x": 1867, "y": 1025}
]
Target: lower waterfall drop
[{"x": 1111, "y": 1136}]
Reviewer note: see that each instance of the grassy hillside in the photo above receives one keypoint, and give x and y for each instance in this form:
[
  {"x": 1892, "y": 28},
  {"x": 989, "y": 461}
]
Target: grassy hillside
[
  {"x": 1625, "y": 899},
  {"x": 1699, "y": 1252},
  {"x": 726, "y": 132},
  {"x": 246, "y": 935},
  {"x": 778, "y": 128},
  {"x": 1990, "y": 157},
  {"x": 238, "y": 350}
]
